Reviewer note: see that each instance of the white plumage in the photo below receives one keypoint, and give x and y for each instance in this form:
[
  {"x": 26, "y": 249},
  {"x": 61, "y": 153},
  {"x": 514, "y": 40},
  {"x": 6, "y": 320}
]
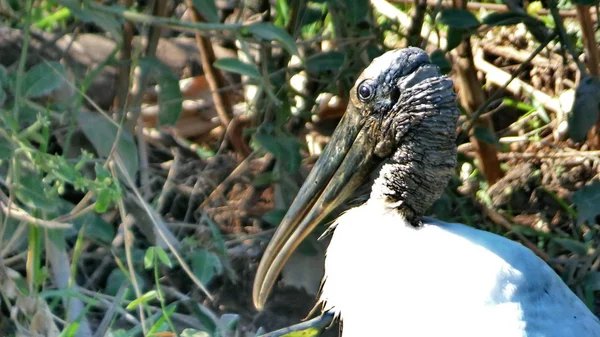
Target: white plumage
[{"x": 387, "y": 278}]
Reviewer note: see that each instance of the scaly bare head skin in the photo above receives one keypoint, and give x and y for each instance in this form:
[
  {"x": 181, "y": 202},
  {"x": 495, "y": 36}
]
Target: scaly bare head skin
[{"x": 399, "y": 131}]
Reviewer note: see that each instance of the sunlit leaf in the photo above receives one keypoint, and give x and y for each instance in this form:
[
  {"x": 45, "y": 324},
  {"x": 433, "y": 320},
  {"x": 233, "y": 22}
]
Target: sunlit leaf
[
  {"x": 310, "y": 332},
  {"x": 149, "y": 257},
  {"x": 194, "y": 333},
  {"x": 145, "y": 298},
  {"x": 163, "y": 257},
  {"x": 282, "y": 13}
]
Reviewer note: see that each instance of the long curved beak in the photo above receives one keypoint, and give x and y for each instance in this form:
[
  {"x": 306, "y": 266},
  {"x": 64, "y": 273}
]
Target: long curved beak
[{"x": 341, "y": 169}]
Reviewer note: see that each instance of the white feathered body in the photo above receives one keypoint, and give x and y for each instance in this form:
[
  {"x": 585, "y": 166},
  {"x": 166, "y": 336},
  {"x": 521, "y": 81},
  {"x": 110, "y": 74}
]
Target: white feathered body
[{"x": 386, "y": 278}]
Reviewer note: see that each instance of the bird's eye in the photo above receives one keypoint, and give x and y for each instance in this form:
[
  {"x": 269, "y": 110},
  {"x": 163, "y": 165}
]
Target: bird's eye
[{"x": 366, "y": 91}]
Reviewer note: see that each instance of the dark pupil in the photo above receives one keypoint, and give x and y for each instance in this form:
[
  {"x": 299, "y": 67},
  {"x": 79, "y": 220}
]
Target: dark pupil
[{"x": 364, "y": 91}]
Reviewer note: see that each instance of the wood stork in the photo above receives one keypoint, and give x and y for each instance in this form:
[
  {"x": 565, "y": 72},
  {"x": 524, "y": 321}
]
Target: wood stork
[{"x": 389, "y": 271}]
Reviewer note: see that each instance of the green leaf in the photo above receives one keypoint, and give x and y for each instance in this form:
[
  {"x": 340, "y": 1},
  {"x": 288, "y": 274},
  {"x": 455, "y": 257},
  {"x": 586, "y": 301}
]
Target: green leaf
[
  {"x": 194, "y": 333},
  {"x": 274, "y": 217},
  {"x": 326, "y": 61},
  {"x": 263, "y": 180},
  {"x": 356, "y": 10},
  {"x": 43, "y": 78},
  {"x": 205, "y": 265},
  {"x": 458, "y": 18},
  {"x": 163, "y": 257},
  {"x": 2, "y": 97},
  {"x": 4, "y": 79},
  {"x": 208, "y": 9},
  {"x": 109, "y": 22},
  {"x": 587, "y": 200},
  {"x": 95, "y": 227},
  {"x": 149, "y": 257},
  {"x": 455, "y": 37},
  {"x": 507, "y": 19},
  {"x": 269, "y": 32},
  {"x": 485, "y": 135},
  {"x": 169, "y": 95},
  {"x": 103, "y": 133},
  {"x": 282, "y": 145},
  {"x": 57, "y": 167},
  {"x": 585, "y": 108},
  {"x": 592, "y": 281},
  {"x": 309, "y": 332},
  {"x": 438, "y": 57},
  {"x": 33, "y": 192},
  {"x": 571, "y": 245},
  {"x": 145, "y": 298},
  {"x": 282, "y": 13},
  {"x": 116, "y": 278},
  {"x": 238, "y": 67},
  {"x": 6, "y": 149}
]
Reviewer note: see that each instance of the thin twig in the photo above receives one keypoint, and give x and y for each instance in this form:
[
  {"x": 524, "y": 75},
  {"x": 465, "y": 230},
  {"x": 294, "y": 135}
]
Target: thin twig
[{"x": 19, "y": 214}]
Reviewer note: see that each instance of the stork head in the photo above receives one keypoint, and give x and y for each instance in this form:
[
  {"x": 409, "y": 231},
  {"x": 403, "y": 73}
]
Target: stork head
[{"x": 399, "y": 130}]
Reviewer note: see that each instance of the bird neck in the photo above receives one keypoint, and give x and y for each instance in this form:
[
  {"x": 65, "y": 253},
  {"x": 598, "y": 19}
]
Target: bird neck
[{"x": 416, "y": 174}]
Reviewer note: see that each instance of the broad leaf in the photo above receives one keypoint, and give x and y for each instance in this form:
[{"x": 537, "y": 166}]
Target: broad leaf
[
  {"x": 455, "y": 37},
  {"x": 34, "y": 192},
  {"x": 43, "y": 78},
  {"x": 587, "y": 200},
  {"x": 356, "y": 10},
  {"x": 458, "y": 18},
  {"x": 205, "y": 265},
  {"x": 238, "y": 67},
  {"x": 507, "y": 19},
  {"x": 485, "y": 135},
  {"x": 269, "y": 32},
  {"x": 108, "y": 22},
  {"x": 438, "y": 57},
  {"x": 169, "y": 94},
  {"x": 282, "y": 145},
  {"x": 573, "y": 246},
  {"x": 208, "y": 9},
  {"x": 327, "y": 61},
  {"x": 194, "y": 333},
  {"x": 103, "y": 133},
  {"x": 585, "y": 108}
]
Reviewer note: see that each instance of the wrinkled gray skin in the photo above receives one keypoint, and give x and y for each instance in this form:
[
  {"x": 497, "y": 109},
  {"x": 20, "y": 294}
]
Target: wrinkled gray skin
[{"x": 414, "y": 115}]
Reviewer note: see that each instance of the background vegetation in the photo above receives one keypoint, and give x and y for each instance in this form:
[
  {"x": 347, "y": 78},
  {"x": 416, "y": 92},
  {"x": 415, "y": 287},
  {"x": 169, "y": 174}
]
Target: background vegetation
[{"x": 149, "y": 148}]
